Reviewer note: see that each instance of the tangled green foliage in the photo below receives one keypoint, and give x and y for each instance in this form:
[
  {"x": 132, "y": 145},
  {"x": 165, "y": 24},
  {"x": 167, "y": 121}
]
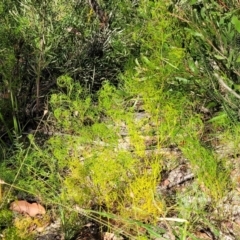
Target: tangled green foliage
[
  {"x": 103, "y": 154},
  {"x": 210, "y": 35},
  {"x": 40, "y": 41}
]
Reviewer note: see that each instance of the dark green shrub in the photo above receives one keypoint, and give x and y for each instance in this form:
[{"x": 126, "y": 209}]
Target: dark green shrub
[{"x": 210, "y": 34}]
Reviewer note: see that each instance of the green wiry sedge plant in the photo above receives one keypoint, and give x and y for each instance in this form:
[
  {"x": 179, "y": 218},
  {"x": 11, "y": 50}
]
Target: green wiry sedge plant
[
  {"x": 8, "y": 100},
  {"x": 29, "y": 171},
  {"x": 141, "y": 228},
  {"x": 210, "y": 170},
  {"x": 7, "y": 129},
  {"x": 73, "y": 109},
  {"x": 113, "y": 180},
  {"x": 98, "y": 173},
  {"x": 111, "y": 102},
  {"x": 147, "y": 85},
  {"x": 84, "y": 164},
  {"x": 35, "y": 23},
  {"x": 12, "y": 130},
  {"x": 230, "y": 138},
  {"x": 151, "y": 77},
  {"x": 191, "y": 205}
]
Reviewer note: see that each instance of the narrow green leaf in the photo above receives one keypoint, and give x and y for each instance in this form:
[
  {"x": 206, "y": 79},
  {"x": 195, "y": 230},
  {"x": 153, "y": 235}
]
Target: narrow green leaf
[
  {"x": 236, "y": 23},
  {"x": 193, "y": 2},
  {"x": 146, "y": 60},
  {"x": 137, "y": 62},
  {"x": 192, "y": 66},
  {"x": 219, "y": 117},
  {"x": 219, "y": 57},
  {"x": 238, "y": 59},
  {"x": 182, "y": 80},
  {"x": 203, "y": 12},
  {"x": 197, "y": 34},
  {"x": 234, "y": 20},
  {"x": 236, "y": 87}
]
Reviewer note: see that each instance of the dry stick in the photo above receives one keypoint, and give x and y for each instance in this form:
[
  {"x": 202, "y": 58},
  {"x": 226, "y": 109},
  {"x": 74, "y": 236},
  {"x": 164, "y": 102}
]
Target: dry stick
[
  {"x": 190, "y": 176},
  {"x": 223, "y": 84},
  {"x": 39, "y": 68},
  {"x": 102, "y": 16},
  {"x": 179, "y": 17}
]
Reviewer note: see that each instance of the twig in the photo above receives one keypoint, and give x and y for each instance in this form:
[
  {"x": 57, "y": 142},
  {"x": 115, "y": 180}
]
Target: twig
[
  {"x": 188, "y": 177},
  {"x": 181, "y": 220},
  {"x": 223, "y": 84}
]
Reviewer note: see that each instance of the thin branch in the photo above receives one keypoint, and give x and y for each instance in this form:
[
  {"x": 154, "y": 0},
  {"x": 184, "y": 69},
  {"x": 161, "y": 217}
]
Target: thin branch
[{"x": 223, "y": 84}]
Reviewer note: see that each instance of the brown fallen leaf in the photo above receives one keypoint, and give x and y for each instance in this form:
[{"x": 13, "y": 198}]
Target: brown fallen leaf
[{"x": 32, "y": 209}]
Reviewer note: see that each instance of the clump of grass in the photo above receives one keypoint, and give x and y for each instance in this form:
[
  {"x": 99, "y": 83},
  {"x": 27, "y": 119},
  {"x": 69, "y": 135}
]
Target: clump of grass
[
  {"x": 94, "y": 173},
  {"x": 210, "y": 171}
]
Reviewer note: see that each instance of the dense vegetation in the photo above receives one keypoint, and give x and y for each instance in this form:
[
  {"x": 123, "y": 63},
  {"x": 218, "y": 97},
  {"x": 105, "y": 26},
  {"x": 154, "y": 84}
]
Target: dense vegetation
[{"x": 101, "y": 102}]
